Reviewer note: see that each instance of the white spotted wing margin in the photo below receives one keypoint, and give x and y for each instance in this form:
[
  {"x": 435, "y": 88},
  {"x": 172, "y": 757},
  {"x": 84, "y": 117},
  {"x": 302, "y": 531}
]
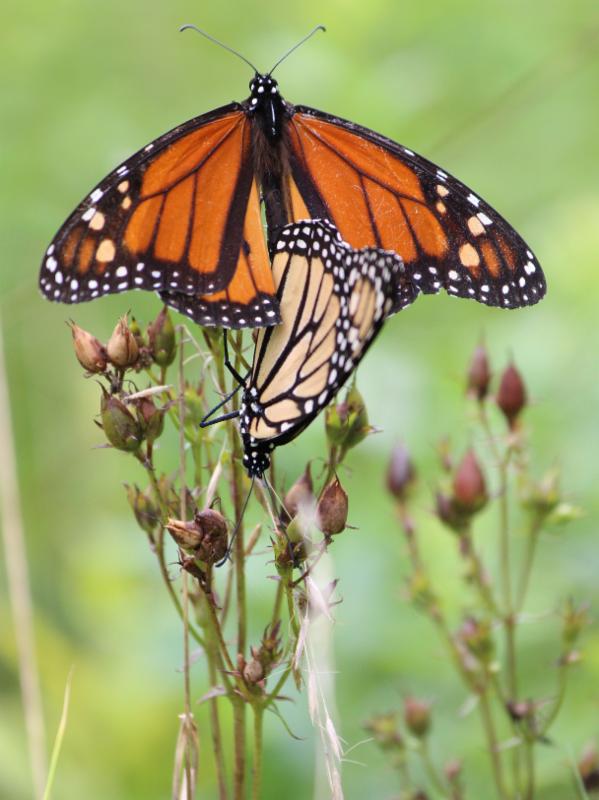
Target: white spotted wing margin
[{"x": 333, "y": 301}]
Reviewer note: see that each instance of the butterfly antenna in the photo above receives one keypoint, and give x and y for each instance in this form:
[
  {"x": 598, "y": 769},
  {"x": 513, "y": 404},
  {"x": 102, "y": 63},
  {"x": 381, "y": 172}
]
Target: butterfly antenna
[
  {"x": 295, "y": 46},
  {"x": 227, "y": 555},
  {"x": 220, "y": 44}
]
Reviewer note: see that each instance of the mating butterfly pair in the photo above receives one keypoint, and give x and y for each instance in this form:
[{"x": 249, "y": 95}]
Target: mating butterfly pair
[{"x": 183, "y": 217}]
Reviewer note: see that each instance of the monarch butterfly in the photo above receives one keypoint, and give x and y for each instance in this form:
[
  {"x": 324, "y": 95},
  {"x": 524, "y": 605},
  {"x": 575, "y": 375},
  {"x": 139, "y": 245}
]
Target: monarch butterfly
[
  {"x": 182, "y": 216},
  {"x": 333, "y": 300}
]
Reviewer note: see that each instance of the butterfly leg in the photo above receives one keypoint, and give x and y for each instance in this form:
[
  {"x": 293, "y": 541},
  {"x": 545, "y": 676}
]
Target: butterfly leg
[
  {"x": 241, "y": 381},
  {"x": 206, "y": 421}
]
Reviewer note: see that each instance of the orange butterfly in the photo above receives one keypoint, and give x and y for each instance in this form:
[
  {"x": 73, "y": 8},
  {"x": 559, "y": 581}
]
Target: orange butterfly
[{"x": 183, "y": 215}]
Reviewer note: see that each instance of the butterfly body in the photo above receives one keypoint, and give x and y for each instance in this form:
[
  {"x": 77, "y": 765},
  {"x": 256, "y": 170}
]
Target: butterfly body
[{"x": 183, "y": 215}]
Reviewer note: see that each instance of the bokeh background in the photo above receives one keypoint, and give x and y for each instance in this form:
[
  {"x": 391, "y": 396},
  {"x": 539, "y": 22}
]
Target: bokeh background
[{"x": 501, "y": 93}]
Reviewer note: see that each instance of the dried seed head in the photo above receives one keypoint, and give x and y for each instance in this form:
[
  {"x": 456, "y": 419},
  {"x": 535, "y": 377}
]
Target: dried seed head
[
  {"x": 90, "y": 352},
  {"x": 122, "y": 347},
  {"x": 401, "y": 474},
  {"x": 541, "y": 497},
  {"x": 300, "y": 495},
  {"x": 417, "y": 716},
  {"x": 332, "y": 508},
  {"x": 511, "y": 395},
  {"x": 469, "y": 489},
  {"x": 161, "y": 336},
  {"x": 479, "y": 374},
  {"x": 122, "y": 430},
  {"x": 205, "y": 536}
]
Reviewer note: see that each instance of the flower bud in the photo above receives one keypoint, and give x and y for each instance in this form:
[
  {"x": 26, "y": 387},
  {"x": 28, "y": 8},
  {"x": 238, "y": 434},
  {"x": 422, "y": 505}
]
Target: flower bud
[
  {"x": 122, "y": 347},
  {"x": 151, "y": 418},
  {"x": 205, "y": 536},
  {"x": 511, "y": 395},
  {"x": 90, "y": 352},
  {"x": 448, "y": 513},
  {"x": 122, "y": 430},
  {"x": 332, "y": 508},
  {"x": 453, "y": 771},
  {"x": 346, "y": 423},
  {"x": 300, "y": 495},
  {"x": 144, "y": 508},
  {"x": 417, "y": 716},
  {"x": 469, "y": 489},
  {"x": 385, "y": 731},
  {"x": 400, "y": 473},
  {"x": 479, "y": 374},
  {"x": 476, "y": 635},
  {"x": 421, "y": 592},
  {"x": 136, "y": 330},
  {"x": 161, "y": 335}
]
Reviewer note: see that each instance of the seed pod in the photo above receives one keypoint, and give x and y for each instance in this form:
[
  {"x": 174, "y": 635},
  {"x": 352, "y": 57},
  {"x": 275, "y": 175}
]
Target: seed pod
[
  {"x": 206, "y": 535},
  {"x": 253, "y": 671},
  {"x": 122, "y": 430},
  {"x": 417, "y": 716},
  {"x": 479, "y": 374},
  {"x": 332, "y": 508},
  {"x": 476, "y": 635},
  {"x": 400, "y": 473},
  {"x": 385, "y": 731},
  {"x": 122, "y": 347},
  {"x": 300, "y": 495},
  {"x": 346, "y": 423},
  {"x": 144, "y": 508},
  {"x": 511, "y": 395},
  {"x": 469, "y": 489},
  {"x": 151, "y": 418},
  {"x": 90, "y": 352},
  {"x": 161, "y": 335}
]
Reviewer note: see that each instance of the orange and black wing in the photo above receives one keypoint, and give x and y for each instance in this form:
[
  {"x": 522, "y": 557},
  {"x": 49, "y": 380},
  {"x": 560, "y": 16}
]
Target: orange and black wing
[
  {"x": 381, "y": 194},
  {"x": 333, "y": 300},
  {"x": 181, "y": 217}
]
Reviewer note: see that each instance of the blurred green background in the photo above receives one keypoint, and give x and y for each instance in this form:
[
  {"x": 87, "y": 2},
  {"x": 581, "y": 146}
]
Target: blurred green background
[{"x": 501, "y": 93}]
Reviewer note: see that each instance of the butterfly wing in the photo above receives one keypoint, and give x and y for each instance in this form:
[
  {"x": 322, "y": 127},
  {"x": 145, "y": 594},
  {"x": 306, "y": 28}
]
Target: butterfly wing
[
  {"x": 333, "y": 300},
  {"x": 381, "y": 194},
  {"x": 182, "y": 217}
]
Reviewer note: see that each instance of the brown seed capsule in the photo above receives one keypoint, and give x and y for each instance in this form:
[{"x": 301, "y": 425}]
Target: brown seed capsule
[
  {"x": 400, "y": 473},
  {"x": 479, "y": 374},
  {"x": 206, "y": 535},
  {"x": 469, "y": 489},
  {"x": 332, "y": 508},
  {"x": 417, "y": 716},
  {"x": 511, "y": 395},
  {"x": 161, "y": 335},
  {"x": 122, "y": 430},
  {"x": 300, "y": 495},
  {"x": 151, "y": 418},
  {"x": 122, "y": 347},
  {"x": 90, "y": 352}
]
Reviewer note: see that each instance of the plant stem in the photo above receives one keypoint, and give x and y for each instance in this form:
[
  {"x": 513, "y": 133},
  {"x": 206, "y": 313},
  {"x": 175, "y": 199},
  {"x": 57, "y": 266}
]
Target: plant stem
[
  {"x": 217, "y": 746},
  {"x": 489, "y": 728},
  {"x": 430, "y": 768},
  {"x": 257, "y": 764},
  {"x": 239, "y": 746},
  {"x": 533, "y": 538}
]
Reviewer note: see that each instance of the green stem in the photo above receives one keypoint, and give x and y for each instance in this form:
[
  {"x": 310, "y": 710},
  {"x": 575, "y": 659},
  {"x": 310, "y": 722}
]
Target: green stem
[
  {"x": 489, "y": 728},
  {"x": 257, "y": 764},
  {"x": 531, "y": 548},
  {"x": 430, "y": 768}
]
